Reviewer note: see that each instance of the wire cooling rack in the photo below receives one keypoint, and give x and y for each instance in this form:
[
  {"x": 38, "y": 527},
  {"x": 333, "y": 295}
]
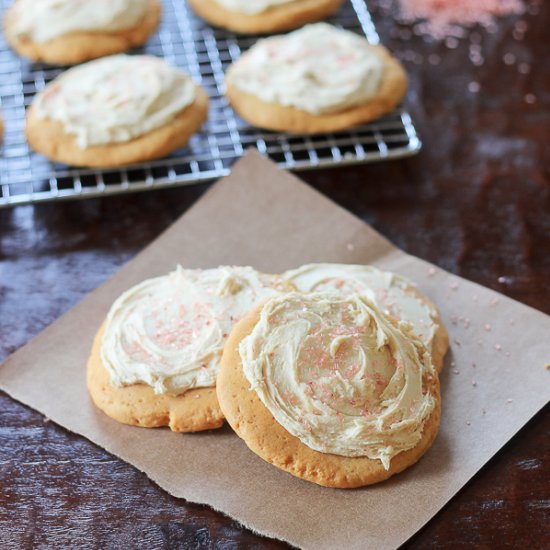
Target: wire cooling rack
[{"x": 205, "y": 52}]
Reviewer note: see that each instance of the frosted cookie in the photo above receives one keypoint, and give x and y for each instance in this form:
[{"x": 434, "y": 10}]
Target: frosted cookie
[
  {"x": 115, "y": 111},
  {"x": 392, "y": 294},
  {"x": 263, "y": 16},
  {"x": 316, "y": 79},
  {"x": 155, "y": 360},
  {"x": 67, "y": 32},
  {"x": 329, "y": 389}
]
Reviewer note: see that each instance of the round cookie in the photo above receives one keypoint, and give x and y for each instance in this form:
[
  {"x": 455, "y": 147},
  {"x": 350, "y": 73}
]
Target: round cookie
[
  {"x": 272, "y": 114},
  {"x": 387, "y": 290},
  {"x": 138, "y": 404},
  {"x": 276, "y": 18},
  {"x": 77, "y": 47},
  {"x": 155, "y": 360},
  {"x": 255, "y": 424},
  {"x": 49, "y": 137}
]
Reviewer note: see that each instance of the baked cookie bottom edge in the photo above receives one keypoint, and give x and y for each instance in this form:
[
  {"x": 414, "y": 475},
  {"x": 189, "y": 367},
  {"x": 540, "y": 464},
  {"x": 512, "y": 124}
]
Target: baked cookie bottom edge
[
  {"x": 138, "y": 405},
  {"x": 48, "y": 137},
  {"x": 277, "y": 117},
  {"x": 276, "y": 19},
  {"x": 78, "y": 47}
]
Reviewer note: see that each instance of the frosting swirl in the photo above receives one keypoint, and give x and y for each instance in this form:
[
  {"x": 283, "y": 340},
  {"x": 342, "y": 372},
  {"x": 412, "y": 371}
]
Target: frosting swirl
[
  {"x": 339, "y": 375},
  {"x": 115, "y": 99},
  {"x": 318, "y": 69},
  {"x": 44, "y": 20},
  {"x": 391, "y": 293},
  {"x": 251, "y": 8},
  {"x": 168, "y": 332}
]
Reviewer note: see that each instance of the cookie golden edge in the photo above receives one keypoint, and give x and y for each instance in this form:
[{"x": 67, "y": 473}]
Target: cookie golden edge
[
  {"x": 275, "y": 19},
  {"x": 253, "y": 423},
  {"x": 78, "y": 47},
  {"x": 274, "y": 116},
  {"x": 49, "y": 138},
  {"x": 138, "y": 405}
]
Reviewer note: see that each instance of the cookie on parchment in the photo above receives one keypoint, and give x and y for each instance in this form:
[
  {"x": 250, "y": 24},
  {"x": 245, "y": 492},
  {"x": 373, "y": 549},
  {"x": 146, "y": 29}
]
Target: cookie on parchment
[
  {"x": 316, "y": 79},
  {"x": 329, "y": 389},
  {"x": 115, "y": 111},
  {"x": 392, "y": 293},
  {"x": 263, "y": 16},
  {"x": 155, "y": 360},
  {"x": 67, "y": 32}
]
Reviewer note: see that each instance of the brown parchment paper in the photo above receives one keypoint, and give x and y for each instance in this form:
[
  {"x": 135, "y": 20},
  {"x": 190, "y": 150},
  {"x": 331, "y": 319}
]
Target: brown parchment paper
[{"x": 494, "y": 380}]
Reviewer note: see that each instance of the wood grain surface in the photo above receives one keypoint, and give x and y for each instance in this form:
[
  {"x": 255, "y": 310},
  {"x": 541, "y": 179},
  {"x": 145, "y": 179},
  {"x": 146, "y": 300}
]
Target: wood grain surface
[{"x": 476, "y": 202}]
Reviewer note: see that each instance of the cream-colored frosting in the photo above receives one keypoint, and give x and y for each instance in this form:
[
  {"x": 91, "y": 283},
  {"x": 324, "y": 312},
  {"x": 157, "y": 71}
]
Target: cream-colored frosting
[
  {"x": 169, "y": 332},
  {"x": 44, "y": 20},
  {"x": 253, "y": 7},
  {"x": 391, "y": 293},
  {"x": 115, "y": 99},
  {"x": 339, "y": 375},
  {"x": 318, "y": 69}
]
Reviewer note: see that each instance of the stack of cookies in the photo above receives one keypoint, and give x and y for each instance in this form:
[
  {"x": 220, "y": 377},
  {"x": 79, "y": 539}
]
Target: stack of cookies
[
  {"x": 121, "y": 109},
  {"x": 329, "y": 371}
]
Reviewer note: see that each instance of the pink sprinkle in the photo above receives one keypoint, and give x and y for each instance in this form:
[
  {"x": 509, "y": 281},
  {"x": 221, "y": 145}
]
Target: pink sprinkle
[
  {"x": 530, "y": 98},
  {"x": 350, "y": 247},
  {"x": 524, "y": 68},
  {"x": 488, "y": 327},
  {"x": 494, "y": 301},
  {"x": 453, "y": 285},
  {"x": 509, "y": 58},
  {"x": 431, "y": 272},
  {"x": 498, "y": 347},
  {"x": 474, "y": 383}
]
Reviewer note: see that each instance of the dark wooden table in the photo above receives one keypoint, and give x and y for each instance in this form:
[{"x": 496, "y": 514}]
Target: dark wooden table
[{"x": 476, "y": 202}]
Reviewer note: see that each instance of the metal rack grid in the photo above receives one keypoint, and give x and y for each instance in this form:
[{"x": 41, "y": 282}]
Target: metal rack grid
[{"x": 187, "y": 42}]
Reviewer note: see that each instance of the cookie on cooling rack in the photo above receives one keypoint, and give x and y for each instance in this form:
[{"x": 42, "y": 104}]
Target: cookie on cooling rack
[
  {"x": 263, "y": 16},
  {"x": 316, "y": 79},
  {"x": 65, "y": 32},
  {"x": 155, "y": 360},
  {"x": 329, "y": 389},
  {"x": 115, "y": 111},
  {"x": 393, "y": 294}
]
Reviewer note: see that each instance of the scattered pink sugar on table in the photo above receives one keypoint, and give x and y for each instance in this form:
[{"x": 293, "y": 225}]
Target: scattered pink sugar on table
[{"x": 443, "y": 18}]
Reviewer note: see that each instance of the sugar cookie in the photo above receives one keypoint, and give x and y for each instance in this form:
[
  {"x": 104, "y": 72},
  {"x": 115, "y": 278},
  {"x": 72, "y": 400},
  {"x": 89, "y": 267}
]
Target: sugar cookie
[
  {"x": 263, "y": 16},
  {"x": 67, "y": 32},
  {"x": 155, "y": 360},
  {"x": 392, "y": 294},
  {"x": 115, "y": 111},
  {"x": 329, "y": 389},
  {"x": 316, "y": 79}
]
